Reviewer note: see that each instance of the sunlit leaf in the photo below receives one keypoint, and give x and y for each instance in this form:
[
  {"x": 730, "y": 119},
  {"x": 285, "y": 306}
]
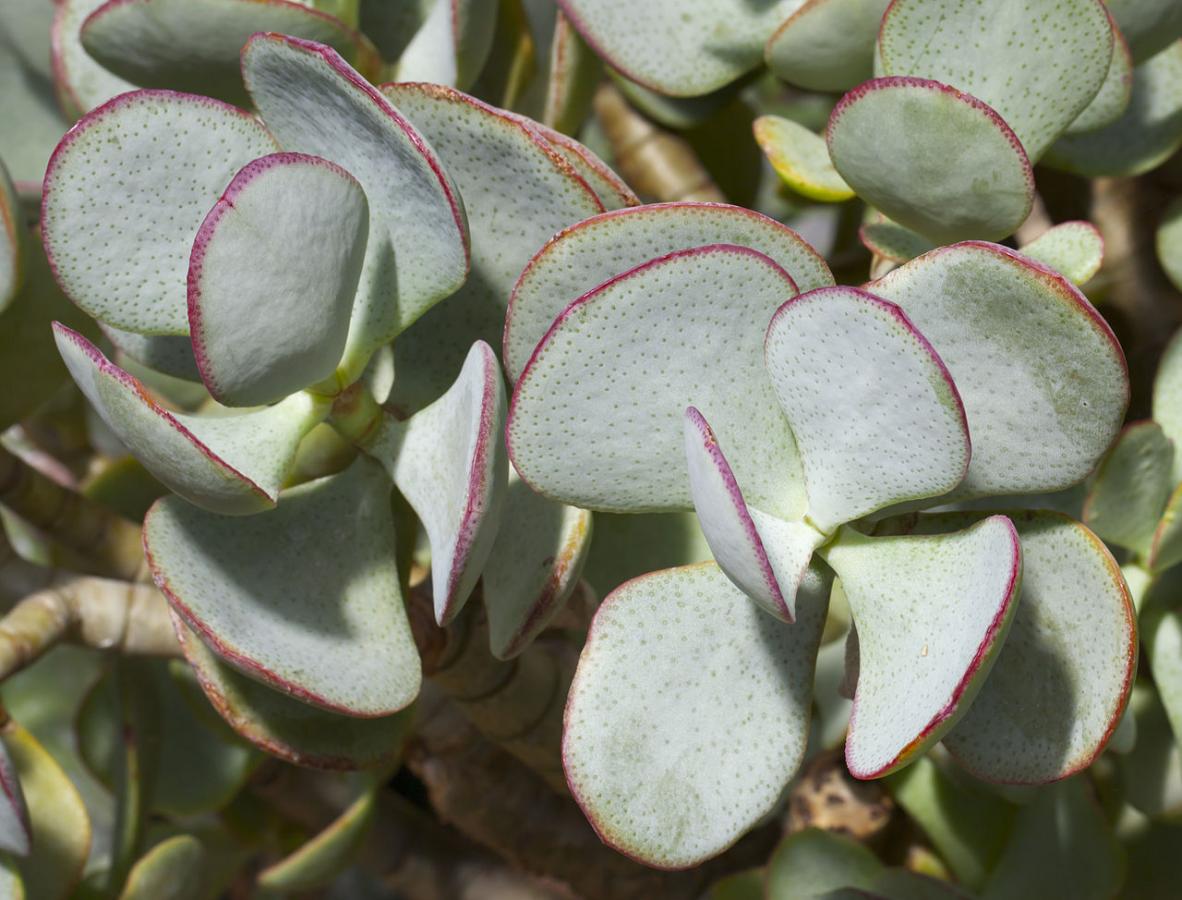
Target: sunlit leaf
[
  {"x": 1073, "y": 249},
  {"x": 827, "y": 45},
  {"x": 452, "y": 45},
  {"x": 1169, "y": 243},
  {"x": 82, "y": 83},
  {"x": 172, "y": 870},
  {"x": 801, "y": 158}
]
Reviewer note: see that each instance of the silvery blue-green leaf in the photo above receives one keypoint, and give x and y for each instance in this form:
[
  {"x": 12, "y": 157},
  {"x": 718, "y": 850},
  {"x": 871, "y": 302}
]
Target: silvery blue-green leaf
[
  {"x": 1149, "y": 25},
  {"x": 801, "y": 159},
  {"x": 13, "y": 237},
  {"x": 170, "y": 354},
  {"x": 1131, "y": 487},
  {"x": 81, "y": 82},
  {"x": 673, "y": 763},
  {"x": 1167, "y": 399},
  {"x": 452, "y": 45},
  {"x": 827, "y": 45},
  {"x": 305, "y": 597},
  {"x": 1152, "y": 770},
  {"x": 1073, "y": 249},
  {"x": 592, "y": 252},
  {"x": 609, "y": 187},
  {"x": 890, "y": 240},
  {"x": 1165, "y": 548},
  {"x": 808, "y": 864},
  {"x": 1113, "y": 97},
  {"x": 1169, "y": 243},
  {"x": 119, "y": 244}
]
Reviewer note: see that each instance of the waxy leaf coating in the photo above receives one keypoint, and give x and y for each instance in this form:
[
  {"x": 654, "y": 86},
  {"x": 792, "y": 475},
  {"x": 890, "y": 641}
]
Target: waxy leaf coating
[
  {"x": 866, "y": 440},
  {"x": 1131, "y": 487},
  {"x": 12, "y": 241},
  {"x": 126, "y": 191},
  {"x": 171, "y": 354},
  {"x": 81, "y": 82},
  {"x": 596, "y": 418},
  {"x": 1167, "y": 400},
  {"x": 931, "y": 613},
  {"x": 272, "y": 278},
  {"x": 1150, "y": 26},
  {"x": 801, "y": 158},
  {"x": 587, "y": 254},
  {"x": 304, "y": 597},
  {"x": 452, "y": 45},
  {"x": 1113, "y": 97},
  {"x": 234, "y": 464},
  {"x": 827, "y": 45},
  {"x": 1074, "y": 249},
  {"x": 688, "y": 714}
]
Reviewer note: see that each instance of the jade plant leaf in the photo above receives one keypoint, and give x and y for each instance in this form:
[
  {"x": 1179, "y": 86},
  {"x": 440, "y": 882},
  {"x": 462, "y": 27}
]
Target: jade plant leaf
[
  {"x": 232, "y": 464},
  {"x": 932, "y": 613},
  {"x": 671, "y": 763},
  {"x": 119, "y": 239},
  {"x": 765, "y": 556},
  {"x": 932, "y": 158},
  {"x": 627, "y": 546},
  {"x": 417, "y": 254},
  {"x": 272, "y": 278},
  {"x": 1113, "y": 97},
  {"x": 320, "y": 859},
  {"x": 1074, "y": 249},
  {"x": 171, "y": 354},
  {"x": 573, "y": 75},
  {"x": 1161, "y": 624},
  {"x": 610, "y": 188},
  {"x": 186, "y": 46},
  {"x": 449, "y": 463},
  {"x": 82, "y": 84},
  {"x": 288, "y": 728},
  {"x": 865, "y": 442},
  {"x": 1165, "y": 549},
  {"x": 305, "y": 597},
  {"x": 1169, "y": 243},
  {"x": 452, "y": 45},
  {"x": 1036, "y": 63},
  {"x": 1062, "y": 678},
  {"x": 1167, "y": 400},
  {"x": 801, "y": 159},
  {"x": 1131, "y": 487},
  {"x": 1010, "y": 329},
  {"x": 536, "y": 193},
  {"x": 534, "y": 566},
  {"x": 1150, "y": 26},
  {"x": 1145, "y": 136},
  {"x": 13, "y": 237},
  {"x": 596, "y": 419},
  {"x": 14, "y": 814},
  {"x": 1152, "y": 770},
  {"x": 590, "y": 253},
  {"x": 808, "y": 864},
  {"x": 890, "y": 240},
  {"x": 827, "y": 45},
  {"x": 172, "y": 870}
]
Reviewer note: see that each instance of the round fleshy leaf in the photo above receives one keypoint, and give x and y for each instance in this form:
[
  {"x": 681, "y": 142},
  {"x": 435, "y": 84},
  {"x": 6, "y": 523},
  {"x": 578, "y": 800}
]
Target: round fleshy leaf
[
  {"x": 574, "y": 74},
  {"x": 272, "y": 277},
  {"x": 609, "y": 187},
  {"x": 866, "y": 442},
  {"x": 890, "y": 240},
  {"x": 1042, "y": 377},
  {"x": 809, "y": 864},
  {"x": 1060, "y": 683},
  {"x": 304, "y": 597},
  {"x": 1131, "y": 487},
  {"x": 288, "y": 728},
  {"x": 931, "y": 614},
  {"x": 1148, "y": 25},
  {"x": 15, "y": 830},
  {"x": 764, "y": 556},
  {"x": 12, "y": 241},
  {"x": 932, "y": 158},
  {"x": 1151, "y": 772},
  {"x": 1037, "y": 63},
  {"x": 229, "y": 464},
  {"x": 1165, "y": 549},
  {"x": 450, "y": 465},
  {"x": 171, "y": 354},
  {"x": 82, "y": 83},
  {"x": 1145, "y": 136},
  {"x": 671, "y": 761},
  {"x": 590, "y": 253},
  {"x": 596, "y": 418},
  {"x": 1113, "y": 97},
  {"x": 679, "y": 47},
  {"x": 827, "y": 45},
  {"x": 452, "y": 45},
  {"x": 536, "y": 193},
  {"x": 172, "y": 870},
  {"x": 1073, "y": 249},
  {"x": 417, "y": 253},
  {"x": 533, "y": 568},
  {"x": 801, "y": 159},
  {"x": 628, "y": 546},
  {"x": 326, "y": 854},
  {"x": 125, "y": 193},
  {"x": 1169, "y": 243},
  {"x": 1167, "y": 399},
  {"x": 186, "y": 46}
]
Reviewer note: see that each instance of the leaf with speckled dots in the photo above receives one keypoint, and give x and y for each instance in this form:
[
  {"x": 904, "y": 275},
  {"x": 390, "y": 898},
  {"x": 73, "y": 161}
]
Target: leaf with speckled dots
[
  {"x": 449, "y": 462},
  {"x": 1042, "y": 376},
  {"x": 126, "y": 191},
  {"x": 766, "y": 557},
  {"x": 1168, "y": 242},
  {"x": 827, "y": 45},
  {"x": 1037, "y": 63},
  {"x": 596, "y": 417},
  {"x": 932, "y": 614},
  {"x": 890, "y": 240},
  {"x": 866, "y": 442},
  {"x": 82, "y": 84},
  {"x": 12, "y": 241},
  {"x": 535, "y": 193},
  {"x": 1074, "y": 249},
  {"x": 801, "y": 159},
  {"x": 932, "y": 158},
  {"x": 1062, "y": 678},
  {"x": 187, "y": 46},
  {"x": 590, "y": 253},
  {"x": 229, "y": 464},
  {"x": 304, "y": 597},
  {"x": 1148, "y": 25},
  {"x": 611, "y": 189},
  {"x": 1132, "y": 484},
  {"x": 171, "y": 354},
  {"x": 288, "y": 728},
  {"x": 533, "y": 568},
  {"x": 1145, "y": 136},
  {"x": 272, "y": 278},
  {"x": 14, "y": 814},
  {"x": 1113, "y": 97},
  {"x": 452, "y": 45},
  {"x": 1167, "y": 399},
  {"x": 673, "y": 762},
  {"x": 417, "y": 252}
]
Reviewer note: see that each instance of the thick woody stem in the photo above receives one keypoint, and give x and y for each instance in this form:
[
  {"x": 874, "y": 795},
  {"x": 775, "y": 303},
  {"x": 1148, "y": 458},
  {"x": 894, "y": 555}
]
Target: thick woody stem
[{"x": 99, "y": 536}]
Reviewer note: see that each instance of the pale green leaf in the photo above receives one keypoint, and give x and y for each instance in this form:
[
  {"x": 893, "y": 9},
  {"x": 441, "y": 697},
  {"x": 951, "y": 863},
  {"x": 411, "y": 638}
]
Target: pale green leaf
[
  {"x": 81, "y": 82},
  {"x": 1073, "y": 249},
  {"x": 318, "y": 861},
  {"x": 452, "y": 45},
  {"x": 1131, "y": 487},
  {"x": 1169, "y": 243},
  {"x": 810, "y": 863},
  {"x": 801, "y": 159},
  {"x": 1149, "y": 25},
  {"x": 172, "y": 870},
  {"x": 827, "y": 45}
]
